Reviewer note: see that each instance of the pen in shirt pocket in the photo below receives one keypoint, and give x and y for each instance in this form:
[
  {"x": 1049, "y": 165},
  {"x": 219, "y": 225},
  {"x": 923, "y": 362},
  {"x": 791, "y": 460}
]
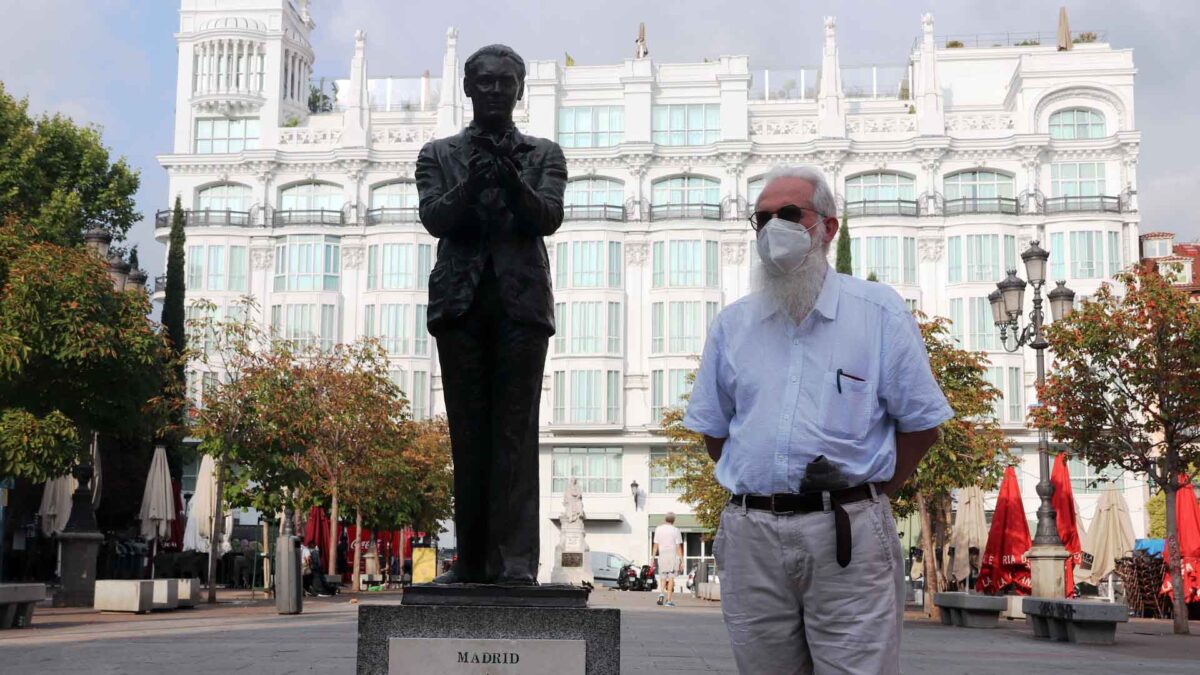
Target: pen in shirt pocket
[{"x": 841, "y": 373}]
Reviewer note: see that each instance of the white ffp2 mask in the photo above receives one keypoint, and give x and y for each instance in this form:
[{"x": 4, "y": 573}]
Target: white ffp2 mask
[{"x": 784, "y": 245}]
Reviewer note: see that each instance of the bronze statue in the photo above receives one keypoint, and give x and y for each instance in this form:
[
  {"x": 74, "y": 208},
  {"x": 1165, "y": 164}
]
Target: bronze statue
[{"x": 490, "y": 194}]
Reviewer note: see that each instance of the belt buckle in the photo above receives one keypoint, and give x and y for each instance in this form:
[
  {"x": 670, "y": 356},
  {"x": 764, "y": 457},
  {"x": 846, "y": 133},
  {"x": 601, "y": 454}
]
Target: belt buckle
[{"x": 775, "y": 510}]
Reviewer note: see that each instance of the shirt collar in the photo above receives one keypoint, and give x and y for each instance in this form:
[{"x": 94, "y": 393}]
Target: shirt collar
[{"x": 827, "y": 299}]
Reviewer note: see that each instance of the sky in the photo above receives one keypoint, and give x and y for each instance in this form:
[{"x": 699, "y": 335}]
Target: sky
[{"x": 112, "y": 62}]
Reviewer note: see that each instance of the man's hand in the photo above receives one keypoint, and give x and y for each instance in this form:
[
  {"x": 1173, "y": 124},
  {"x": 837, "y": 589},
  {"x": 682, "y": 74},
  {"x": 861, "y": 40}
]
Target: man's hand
[
  {"x": 510, "y": 175},
  {"x": 477, "y": 171}
]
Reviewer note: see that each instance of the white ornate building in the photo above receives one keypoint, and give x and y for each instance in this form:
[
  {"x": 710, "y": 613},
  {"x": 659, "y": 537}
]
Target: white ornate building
[{"x": 948, "y": 165}]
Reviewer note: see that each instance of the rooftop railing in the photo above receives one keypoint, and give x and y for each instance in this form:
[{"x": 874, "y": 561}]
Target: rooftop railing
[
  {"x": 387, "y": 215},
  {"x": 965, "y": 205},
  {"x": 680, "y": 211},
  {"x": 1024, "y": 39},
  {"x": 594, "y": 212},
  {"x": 204, "y": 218},
  {"x": 801, "y": 84},
  {"x": 284, "y": 218},
  {"x": 888, "y": 207},
  {"x": 1088, "y": 204}
]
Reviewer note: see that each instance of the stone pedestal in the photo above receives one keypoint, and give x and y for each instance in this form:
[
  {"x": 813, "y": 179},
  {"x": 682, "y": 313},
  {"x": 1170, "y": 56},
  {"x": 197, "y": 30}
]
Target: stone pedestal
[
  {"x": 487, "y": 639},
  {"x": 571, "y": 564},
  {"x": 79, "y": 551},
  {"x": 1047, "y": 571}
]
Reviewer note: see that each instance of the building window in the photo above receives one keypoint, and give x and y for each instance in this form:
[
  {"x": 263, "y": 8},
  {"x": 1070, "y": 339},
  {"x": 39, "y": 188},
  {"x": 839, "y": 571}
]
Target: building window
[
  {"x": 1156, "y": 248},
  {"x": 1077, "y": 179},
  {"x": 686, "y": 124},
  {"x": 983, "y": 257},
  {"x": 228, "y": 197},
  {"x": 615, "y": 266},
  {"x": 329, "y": 327},
  {"x": 882, "y": 257},
  {"x": 401, "y": 195},
  {"x": 711, "y": 310},
  {"x": 400, "y": 379},
  {"x": 1086, "y": 479},
  {"x": 586, "y": 397},
  {"x": 1010, "y": 254},
  {"x": 656, "y": 328},
  {"x": 1058, "y": 257},
  {"x": 679, "y": 386},
  {"x": 978, "y": 185},
  {"x": 312, "y": 197},
  {"x": 684, "y": 327},
  {"x": 984, "y": 334},
  {"x": 220, "y": 135},
  {"x": 308, "y": 263},
  {"x": 995, "y": 377},
  {"x": 420, "y": 395},
  {"x": 753, "y": 189},
  {"x": 1114, "y": 253},
  {"x": 369, "y": 322},
  {"x": 216, "y": 268},
  {"x": 661, "y": 476},
  {"x": 614, "y": 328},
  {"x": 686, "y": 197},
  {"x": 420, "y": 331},
  {"x": 424, "y": 258},
  {"x": 238, "y": 276},
  {"x": 396, "y": 268},
  {"x": 585, "y": 327},
  {"x": 1087, "y": 255},
  {"x": 613, "y": 397},
  {"x": 1015, "y": 396},
  {"x": 560, "y": 397},
  {"x": 587, "y": 264},
  {"x": 1077, "y": 123},
  {"x": 560, "y": 328},
  {"x": 881, "y": 194},
  {"x": 656, "y": 397},
  {"x": 594, "y": 199},
  {"x": 912, "y": 305},
  {"x": 195, "y": 267},
  {"x": 598, "y": 470},
  {"x": 954, "y": 259},
  {"x": 592, "y": 126},
  {"x": 679, "y": 264},
  {"x": 393, "y": 328},
  {"x": 957, "y": 324},
  {"x": 298, "y": 324},
  {"x": 910, "y": 260}
]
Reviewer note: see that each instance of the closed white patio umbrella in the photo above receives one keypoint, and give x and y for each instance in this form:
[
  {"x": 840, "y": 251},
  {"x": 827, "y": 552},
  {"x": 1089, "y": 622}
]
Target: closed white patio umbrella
[
  {"x": 970, "y": 531},
  {"x": 55, "y": 509},
  {"x": 158, "y": 505},
  {"x": 1109, "y": 537},
  {"x": 197, "y": 533}
]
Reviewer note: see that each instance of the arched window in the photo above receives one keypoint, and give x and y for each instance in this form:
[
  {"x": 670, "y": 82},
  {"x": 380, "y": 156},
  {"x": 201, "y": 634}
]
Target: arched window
[
  {"x": 881, "y": 194},
  {"x": 394, "y": 203},
  {"x": 978, "y": 191},
  {"x": 686, "y": 197},
  {"x": 310, "y": 204},
  {"x": 226, "y": 197},
  {"x": 595, "y": 198},
  {"x": 1075, "y": 123}
]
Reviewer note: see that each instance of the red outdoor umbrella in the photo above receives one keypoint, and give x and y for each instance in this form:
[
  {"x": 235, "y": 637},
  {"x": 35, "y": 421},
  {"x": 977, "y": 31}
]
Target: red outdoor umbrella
[
  {"x": 1003, "y": 568},
  {"x": 1187, "y": 520},
  {"x": 1064, "y": 508},
  {"x": 316, "y": 529}
]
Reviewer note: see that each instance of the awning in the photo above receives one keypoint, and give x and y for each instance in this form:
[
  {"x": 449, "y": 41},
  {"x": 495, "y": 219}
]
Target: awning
[{"x": 686, "y": 522}]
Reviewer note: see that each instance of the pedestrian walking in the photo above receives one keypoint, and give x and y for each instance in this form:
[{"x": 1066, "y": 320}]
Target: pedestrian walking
[
  {"x": 668, "y": 552},
  {"x": 815, "y": 397}
]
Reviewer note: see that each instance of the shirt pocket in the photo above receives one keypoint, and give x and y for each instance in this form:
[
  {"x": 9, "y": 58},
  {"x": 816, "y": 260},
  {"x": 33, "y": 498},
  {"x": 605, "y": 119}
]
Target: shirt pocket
[{"x": 847, "y": 405}]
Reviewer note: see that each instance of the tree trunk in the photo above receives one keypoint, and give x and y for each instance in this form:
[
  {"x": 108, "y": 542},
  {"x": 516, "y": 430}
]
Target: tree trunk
[
  {"x": 928, "y": 555},
  {"x": 266, "y": 563},
  {"x": 1179, "y": 607},
  {"x": 218, "y": 521},
  {"x": 356, "y": 578},
  {"x": 331, "y": 555}
]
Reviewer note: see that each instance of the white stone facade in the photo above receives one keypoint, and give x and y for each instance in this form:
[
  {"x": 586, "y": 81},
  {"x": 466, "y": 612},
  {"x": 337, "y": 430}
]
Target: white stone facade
[{"x": 948, "y": 167}]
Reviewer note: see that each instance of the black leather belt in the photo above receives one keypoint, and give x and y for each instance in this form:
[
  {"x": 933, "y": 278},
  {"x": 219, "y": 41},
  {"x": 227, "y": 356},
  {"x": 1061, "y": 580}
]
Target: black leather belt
[{"x": 811, "y": 502}]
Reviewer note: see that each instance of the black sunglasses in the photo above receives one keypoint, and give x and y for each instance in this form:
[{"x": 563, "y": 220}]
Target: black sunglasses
[{"x": 790, "y": 213}]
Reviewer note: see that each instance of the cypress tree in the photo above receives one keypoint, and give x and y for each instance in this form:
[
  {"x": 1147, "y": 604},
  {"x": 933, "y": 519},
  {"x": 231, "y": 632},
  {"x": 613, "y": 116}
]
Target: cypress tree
[
  {"x": 844, "y": 264},
  {"x": 133, "y": 258},
  {"x": 173, "y": 321}
]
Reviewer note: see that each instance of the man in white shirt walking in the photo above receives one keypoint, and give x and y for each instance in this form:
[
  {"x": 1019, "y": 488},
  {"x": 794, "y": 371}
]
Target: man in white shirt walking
[
  {"x": 668, "y": 549},
  {"x": 816, "y": 399}
]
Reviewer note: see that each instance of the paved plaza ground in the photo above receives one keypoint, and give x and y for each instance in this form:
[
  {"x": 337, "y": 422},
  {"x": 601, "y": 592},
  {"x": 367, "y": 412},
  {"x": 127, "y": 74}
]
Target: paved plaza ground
[{"x": 244, "y": 636}]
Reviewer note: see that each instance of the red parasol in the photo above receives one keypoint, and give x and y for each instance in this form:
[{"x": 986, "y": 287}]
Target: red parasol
[
  {"x": 1064, "y": 508},
  {"x": 1187, "y": 522},
  {"x": 316, "y": 529},
  {"x": 1003, "y": 567}
]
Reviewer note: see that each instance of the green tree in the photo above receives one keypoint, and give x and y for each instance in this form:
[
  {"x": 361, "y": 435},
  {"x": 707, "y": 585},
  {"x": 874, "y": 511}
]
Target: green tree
[
  {"x": 76, "y": 355},
  {"x": 845, "y": 264},
  {"x": 58, "y": 179},
  {"x": 970, "y": 449},
  {"x": 1125, "y": 390},
  {"x": 691, "y": 470},
  {"x": 173, "y": 325}
]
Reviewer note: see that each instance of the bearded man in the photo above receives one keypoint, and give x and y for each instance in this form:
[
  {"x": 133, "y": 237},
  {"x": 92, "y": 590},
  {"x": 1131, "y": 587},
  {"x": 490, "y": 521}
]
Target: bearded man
[{"x": 816, "y": 400}]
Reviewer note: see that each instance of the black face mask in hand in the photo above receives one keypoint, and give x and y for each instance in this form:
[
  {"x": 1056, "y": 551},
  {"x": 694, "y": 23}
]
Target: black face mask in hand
[
  {"x": 505, "y": 147},
  {"x": 821, "y": 475}
]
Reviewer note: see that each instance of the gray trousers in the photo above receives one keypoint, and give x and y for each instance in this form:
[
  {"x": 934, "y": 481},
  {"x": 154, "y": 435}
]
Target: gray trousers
[{"x": 790, "y": 608}]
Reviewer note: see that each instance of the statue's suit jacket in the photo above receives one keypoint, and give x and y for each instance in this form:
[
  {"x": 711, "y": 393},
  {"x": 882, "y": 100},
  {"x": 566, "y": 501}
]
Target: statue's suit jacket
[{"x": 472, "y": 229}]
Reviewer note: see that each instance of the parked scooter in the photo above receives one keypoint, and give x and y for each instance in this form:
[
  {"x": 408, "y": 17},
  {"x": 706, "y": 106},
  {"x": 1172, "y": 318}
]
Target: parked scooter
[
  {"x": 627, "y": 578},
  {"x": 648, "y": 580}
]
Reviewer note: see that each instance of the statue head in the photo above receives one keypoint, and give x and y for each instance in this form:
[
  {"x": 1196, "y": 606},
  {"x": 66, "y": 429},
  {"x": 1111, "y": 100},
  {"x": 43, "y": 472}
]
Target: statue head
[{"x": 494, "y": 80}]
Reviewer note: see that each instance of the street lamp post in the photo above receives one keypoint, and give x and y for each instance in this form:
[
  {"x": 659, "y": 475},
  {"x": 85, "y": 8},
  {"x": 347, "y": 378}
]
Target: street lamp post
[{"x": 1047, "y": 556}]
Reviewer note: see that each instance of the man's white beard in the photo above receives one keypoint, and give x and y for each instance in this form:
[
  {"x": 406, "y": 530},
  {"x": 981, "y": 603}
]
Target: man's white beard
[{"x": 795, "y": 294}]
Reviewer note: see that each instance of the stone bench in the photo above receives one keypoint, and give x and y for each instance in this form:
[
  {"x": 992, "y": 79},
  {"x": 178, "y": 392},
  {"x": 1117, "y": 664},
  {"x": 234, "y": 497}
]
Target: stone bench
[
  {"x": 17, "y": 602},
  {"x": 166, "y": 594},
  {"x": 124, "y": 595},
  {"x": 969, "y": 610},
  {"x": 1085, "y": 622},
  {"x": 188, "y": 592}
]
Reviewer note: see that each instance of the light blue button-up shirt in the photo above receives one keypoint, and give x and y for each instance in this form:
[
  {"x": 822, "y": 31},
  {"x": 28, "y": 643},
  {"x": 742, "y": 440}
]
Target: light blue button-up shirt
[{"x": 840, "y": 384}]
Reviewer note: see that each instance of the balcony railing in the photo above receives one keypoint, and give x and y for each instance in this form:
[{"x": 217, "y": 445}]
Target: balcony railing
[
  {"x": 204, "y": 218},
  {"x": 1088, "y": 204},
  {"x": 160, "y": 283},
  {"x": 892, "y": 207},
  {"x": 594, "y": 212},
  {"x": 385, "y": 215},
  {"x": 677, "y": 211},
  {"x": 284, "y": 218},
  {"x": 1003, "y": 205}
]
